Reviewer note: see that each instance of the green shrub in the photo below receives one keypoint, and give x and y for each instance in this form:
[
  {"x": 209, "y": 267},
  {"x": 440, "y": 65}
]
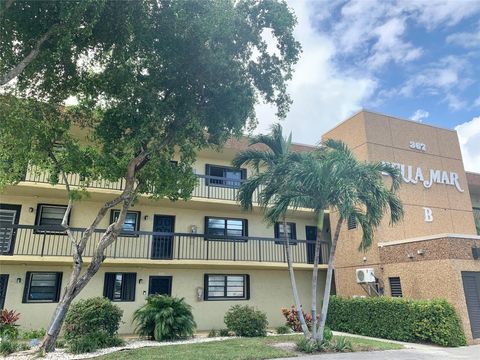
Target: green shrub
[
  {"x": 223, "y": 332},
  {"x": 341, "y": 344},
  {"x": 433, "y": 321},
  {"x": 8, "y": 324},
  {"x": 292, "y": 320},
  {"x": 92, "y": 324},
  {"x": 310, "y": 346},
  {"x": 33, "y": 334},
  {"x": 8, "y": 346},
  {"x": 246, "y": 321},
  {"x": 60, "y": 343},
  {"x": 23, "y": 347},
  {"x": 213, "y": 333},
  {"x": 165, "y": 318},
  {"x": 93, "y": 341},
  {"x": 283, "y": 329},
  {"x": 327, "y": 334}
]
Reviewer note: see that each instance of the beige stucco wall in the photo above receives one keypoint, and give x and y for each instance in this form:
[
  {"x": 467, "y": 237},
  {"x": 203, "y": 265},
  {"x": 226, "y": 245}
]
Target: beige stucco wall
[{"x": 269, "y": 291}]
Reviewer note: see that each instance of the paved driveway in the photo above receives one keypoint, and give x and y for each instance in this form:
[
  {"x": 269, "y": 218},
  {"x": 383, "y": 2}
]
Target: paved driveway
[{"x": 423, "y": 353}]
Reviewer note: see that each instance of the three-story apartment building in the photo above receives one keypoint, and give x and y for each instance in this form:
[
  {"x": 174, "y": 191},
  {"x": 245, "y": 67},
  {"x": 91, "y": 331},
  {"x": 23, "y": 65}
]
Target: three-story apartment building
[
  {"x": 214, "y": 255},
  {"x": 206, "y": 249}
]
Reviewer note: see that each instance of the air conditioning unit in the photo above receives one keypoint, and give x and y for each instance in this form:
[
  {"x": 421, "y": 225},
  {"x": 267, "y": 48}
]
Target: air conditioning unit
[{"x": 365, "y": 276}]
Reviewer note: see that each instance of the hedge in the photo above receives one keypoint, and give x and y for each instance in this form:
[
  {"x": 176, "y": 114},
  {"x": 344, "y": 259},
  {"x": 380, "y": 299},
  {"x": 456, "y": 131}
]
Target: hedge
[{"x": 430, "y": 321}]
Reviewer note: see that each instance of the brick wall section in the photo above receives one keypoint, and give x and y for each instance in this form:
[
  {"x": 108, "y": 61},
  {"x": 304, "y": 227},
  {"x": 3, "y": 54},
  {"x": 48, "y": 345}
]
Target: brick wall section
[{"x": 433, "y": 249}]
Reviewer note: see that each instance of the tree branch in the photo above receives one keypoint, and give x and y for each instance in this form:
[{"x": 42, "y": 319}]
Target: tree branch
[{"x": 17, "y": 70}]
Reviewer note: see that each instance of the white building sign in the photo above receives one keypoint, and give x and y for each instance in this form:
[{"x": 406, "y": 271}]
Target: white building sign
[
  {"x": 414, "y": 175},
  {"x": 428, "y": 214}
]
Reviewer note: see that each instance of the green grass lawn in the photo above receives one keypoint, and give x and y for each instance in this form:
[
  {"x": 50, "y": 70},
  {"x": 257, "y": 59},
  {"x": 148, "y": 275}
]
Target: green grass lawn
[{"x": 234, "y": 349}]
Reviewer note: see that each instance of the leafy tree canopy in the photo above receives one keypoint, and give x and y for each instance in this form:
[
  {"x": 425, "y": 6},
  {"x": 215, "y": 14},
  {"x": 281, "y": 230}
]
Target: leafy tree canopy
[{"x": 150, "y": 77}]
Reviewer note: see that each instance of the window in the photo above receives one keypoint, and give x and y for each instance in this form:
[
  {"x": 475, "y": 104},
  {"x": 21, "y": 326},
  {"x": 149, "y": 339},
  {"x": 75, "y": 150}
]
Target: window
[
  {"x": 51, "y": 216},
  {"x": 120, "y": 286},
  {"x": 225, "y": 228},
  {"x": 352, "y": 223},
  {"x": 132, "y": 220},
  {"x": 224, "y": 176},
  {"x": 395, "y": 287},
  {"x": 226, "y": 287},
  {"x": 42, "y": 287},
  {"x": 280, "y": 233}
]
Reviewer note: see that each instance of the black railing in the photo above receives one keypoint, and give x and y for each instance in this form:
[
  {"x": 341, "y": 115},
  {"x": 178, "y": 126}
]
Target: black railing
[
  {"x": 208, "y": 187},
  {"x": 47, "y": 241}
]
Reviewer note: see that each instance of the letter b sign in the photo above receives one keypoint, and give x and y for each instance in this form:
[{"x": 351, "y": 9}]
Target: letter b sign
[{"x": 428, "y": 214}]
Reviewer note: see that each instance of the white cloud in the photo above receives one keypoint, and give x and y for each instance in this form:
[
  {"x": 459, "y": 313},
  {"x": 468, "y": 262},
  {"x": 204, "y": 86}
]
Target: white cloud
[
  {"x": 465, "y": 39},
  {"x": 435, "y": 13},
  {"x": 469, "y": 137},
  {"x": 419, "y": 115},
  {"x": 322, "y": 95},
  {"x": 347, "y": 48}
]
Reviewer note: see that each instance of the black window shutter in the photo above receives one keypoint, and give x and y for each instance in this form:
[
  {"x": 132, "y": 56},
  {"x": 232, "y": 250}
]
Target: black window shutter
[
  {"x": 293, "y": 230},
  {"x": 244, "y": 174},
  {"x": 59, "y": 286},
  {"x": 245, "y": 227},
  {"x": 128, "y": 286},
  {"x": 205, "y": 230},
  {"x": 3, "y": 289},
  {"x": 276, "y": 231},
  {"x": 205, "y": 287},
  {"x": 247, "y": 287},
  {"x": 25, "y": 289},
  {"x": 108, "y": 285},
  {"x": 139, "y": 217},
  {"x": 207, "y": 169}
]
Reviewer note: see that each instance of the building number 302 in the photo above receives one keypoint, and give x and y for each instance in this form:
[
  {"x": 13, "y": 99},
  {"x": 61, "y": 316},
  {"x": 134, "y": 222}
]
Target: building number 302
[{"x": 418, "y": 146}]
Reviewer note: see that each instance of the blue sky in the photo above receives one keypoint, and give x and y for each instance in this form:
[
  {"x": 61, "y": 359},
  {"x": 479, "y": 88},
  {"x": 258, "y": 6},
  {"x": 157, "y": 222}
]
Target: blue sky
[{"x": 412, "y": 59}]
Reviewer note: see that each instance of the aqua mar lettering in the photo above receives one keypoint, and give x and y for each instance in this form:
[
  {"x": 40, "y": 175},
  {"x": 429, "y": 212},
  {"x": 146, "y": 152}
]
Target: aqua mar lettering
[{"x": 414, "y": 175}]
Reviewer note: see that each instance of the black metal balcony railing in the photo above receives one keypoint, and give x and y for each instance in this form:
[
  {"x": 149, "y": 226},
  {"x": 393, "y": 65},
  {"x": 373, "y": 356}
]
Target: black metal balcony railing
[
  {"x": 50, "y": 241},
  {"x": 208, "y": 187}
]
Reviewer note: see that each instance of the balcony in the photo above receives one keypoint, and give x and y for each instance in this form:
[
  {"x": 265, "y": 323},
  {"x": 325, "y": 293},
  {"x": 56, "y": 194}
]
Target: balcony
[
  {"x": 28, "y": 240},
  {"x": 208, "y": 187}
]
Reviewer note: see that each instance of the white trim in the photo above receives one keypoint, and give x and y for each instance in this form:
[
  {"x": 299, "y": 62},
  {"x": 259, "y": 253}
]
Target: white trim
[{"x": 429, "y": 237}]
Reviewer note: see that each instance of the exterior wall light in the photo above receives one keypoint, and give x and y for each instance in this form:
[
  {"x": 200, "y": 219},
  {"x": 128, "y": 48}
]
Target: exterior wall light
[
  {"x": 140, "y": 281},
  {"x": 145, "y": 217},
  {"x": 193, "y": 229},
  {"x": 19, "y": 280},
  {"x": 31, "y": 209}
]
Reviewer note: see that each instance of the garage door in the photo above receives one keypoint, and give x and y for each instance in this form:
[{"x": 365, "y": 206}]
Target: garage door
[{"x": 471, "y": 286}]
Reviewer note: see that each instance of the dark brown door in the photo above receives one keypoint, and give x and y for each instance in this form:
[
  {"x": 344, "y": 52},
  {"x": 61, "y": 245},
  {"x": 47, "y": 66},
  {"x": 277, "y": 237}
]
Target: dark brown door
[
  {"x": 471, "y": 287},
  {"x": 162, "y": 245}
]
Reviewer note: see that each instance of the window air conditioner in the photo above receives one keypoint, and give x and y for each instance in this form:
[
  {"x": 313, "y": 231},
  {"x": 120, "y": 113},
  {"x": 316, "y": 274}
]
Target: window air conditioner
[{"x": 365, "y": 276}]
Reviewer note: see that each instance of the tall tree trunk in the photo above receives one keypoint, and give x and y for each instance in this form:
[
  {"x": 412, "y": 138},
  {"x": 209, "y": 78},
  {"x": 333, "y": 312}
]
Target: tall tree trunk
[
  {"x": 293, "y": 282},
  {"x": 316, "y": 261},
  {"x": 77, "y": 281},
  {"x": 328, "y": 281}
]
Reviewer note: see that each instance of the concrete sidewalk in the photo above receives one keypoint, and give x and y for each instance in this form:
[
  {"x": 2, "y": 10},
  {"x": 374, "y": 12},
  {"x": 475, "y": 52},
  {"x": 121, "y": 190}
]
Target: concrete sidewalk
[
  {"x": 412, "y": 351},
  {"x": 465, "y": 353}
]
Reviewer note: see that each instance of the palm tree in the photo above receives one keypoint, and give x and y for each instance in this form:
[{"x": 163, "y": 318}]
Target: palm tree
[
  {"x": 270, "y": 164},
  {"x": 332, "y": 177}
]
